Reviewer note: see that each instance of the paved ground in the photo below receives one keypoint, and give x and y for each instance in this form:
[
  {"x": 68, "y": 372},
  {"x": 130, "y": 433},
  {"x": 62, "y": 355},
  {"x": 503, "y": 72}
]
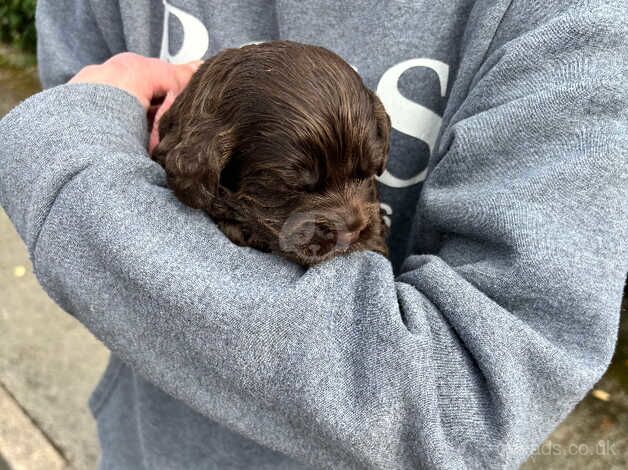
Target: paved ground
[{"x": 49, "y": 364}]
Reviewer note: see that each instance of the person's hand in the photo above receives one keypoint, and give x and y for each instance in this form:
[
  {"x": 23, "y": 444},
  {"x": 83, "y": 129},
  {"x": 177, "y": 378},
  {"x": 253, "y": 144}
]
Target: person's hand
[
  {"x": 154, "y": 115},
  {"x": 153, "y": 82},
  {"x": 146, "y": 78}
]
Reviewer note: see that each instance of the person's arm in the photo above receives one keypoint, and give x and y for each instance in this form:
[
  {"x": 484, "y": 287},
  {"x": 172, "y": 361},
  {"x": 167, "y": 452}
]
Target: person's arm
[
  {"x": 469, "y": 357},
  {"x": 68, "y": 38}
]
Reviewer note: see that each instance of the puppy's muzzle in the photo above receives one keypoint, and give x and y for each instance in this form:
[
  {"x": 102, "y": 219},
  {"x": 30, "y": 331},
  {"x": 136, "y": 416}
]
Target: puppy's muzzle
[{"x": 313, "y": 236}]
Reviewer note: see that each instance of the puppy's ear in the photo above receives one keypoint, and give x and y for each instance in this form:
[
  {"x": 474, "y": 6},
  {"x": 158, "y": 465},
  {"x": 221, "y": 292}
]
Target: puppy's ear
[
  {"x": 194, "y": 155},
  {"x": 383, "y": 134}
]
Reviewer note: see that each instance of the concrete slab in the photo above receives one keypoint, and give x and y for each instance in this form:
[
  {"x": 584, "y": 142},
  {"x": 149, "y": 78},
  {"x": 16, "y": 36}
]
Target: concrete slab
[
  {"x": 24, "y": 446},
  {"x": 48, "y": 361}
]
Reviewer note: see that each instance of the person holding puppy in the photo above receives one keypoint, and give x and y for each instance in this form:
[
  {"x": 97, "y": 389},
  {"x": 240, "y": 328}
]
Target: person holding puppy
[{"x": 505, "y": 193}]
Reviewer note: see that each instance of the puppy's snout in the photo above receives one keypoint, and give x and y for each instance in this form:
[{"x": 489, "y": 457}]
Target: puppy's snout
[
  {"x": 317, "y": 236},
  {"x": 345, "y": 238}
]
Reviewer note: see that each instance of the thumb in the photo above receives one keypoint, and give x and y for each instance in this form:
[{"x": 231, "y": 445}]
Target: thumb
[
  {"x": 154, "y": 133},
  {"x": 195, "y": 64},
  {"x": 184, "y": 72}
]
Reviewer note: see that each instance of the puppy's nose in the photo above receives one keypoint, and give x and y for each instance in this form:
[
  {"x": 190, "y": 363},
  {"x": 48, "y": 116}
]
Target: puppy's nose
[{"x": 345, "y": 239}]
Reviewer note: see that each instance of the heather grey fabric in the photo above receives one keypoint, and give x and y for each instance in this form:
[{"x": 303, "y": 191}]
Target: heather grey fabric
[{"x": 500, "y": 308}]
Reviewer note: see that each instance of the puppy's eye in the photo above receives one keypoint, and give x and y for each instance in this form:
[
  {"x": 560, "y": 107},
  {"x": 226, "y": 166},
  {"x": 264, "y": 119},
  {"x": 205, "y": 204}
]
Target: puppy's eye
[
  {"x": 362, "y": 175},
  {"x": 310, "y": 183}
]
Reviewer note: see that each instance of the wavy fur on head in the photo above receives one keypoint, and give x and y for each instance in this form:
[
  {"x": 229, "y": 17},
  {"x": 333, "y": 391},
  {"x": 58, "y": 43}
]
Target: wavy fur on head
[{"x": 280, "y": 143}]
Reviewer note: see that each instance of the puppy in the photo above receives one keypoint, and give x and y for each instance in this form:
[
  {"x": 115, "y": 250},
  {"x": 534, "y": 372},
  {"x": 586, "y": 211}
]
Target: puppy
[{"x": 280, "y": 143}]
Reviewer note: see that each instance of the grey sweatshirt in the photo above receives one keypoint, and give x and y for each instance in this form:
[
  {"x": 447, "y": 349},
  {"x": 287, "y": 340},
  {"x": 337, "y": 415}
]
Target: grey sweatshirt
[{"x": 507, "y": 197}]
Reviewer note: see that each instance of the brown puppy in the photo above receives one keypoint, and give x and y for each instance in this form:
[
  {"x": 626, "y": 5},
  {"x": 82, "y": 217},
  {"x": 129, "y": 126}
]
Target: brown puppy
[{"x": 280, "y": 143}]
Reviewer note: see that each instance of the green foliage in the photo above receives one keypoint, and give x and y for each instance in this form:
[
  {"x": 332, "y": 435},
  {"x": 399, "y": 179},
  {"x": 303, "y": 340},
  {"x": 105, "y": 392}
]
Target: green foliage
[{"x": 17, "y": 23}]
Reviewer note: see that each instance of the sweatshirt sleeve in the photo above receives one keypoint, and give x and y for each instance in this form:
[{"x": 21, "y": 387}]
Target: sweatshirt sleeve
[
  {"x": 69, "y": 38},
  {"x": 468, "y": 358}
]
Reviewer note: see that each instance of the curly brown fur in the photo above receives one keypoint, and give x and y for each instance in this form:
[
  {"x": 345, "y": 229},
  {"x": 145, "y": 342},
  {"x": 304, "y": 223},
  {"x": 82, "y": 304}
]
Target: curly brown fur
[{"x": 280, "y": 143}]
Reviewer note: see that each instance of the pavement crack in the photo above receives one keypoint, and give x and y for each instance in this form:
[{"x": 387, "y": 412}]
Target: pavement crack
[{"x": 36, "y": 424}]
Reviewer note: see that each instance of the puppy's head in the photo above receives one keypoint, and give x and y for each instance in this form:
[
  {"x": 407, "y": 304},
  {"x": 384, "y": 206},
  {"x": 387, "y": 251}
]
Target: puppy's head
[{"x": 280, "y": 143}]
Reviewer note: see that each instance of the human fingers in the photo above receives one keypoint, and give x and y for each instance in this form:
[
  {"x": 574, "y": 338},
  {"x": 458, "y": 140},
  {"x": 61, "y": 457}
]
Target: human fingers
[
  {"x": 154, "y": 134},
  {"x": 164, "y": 78}
]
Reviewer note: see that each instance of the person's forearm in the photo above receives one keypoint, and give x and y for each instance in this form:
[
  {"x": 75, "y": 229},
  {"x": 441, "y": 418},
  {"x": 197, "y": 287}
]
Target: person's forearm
[{"x": 45, "y": 148}]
